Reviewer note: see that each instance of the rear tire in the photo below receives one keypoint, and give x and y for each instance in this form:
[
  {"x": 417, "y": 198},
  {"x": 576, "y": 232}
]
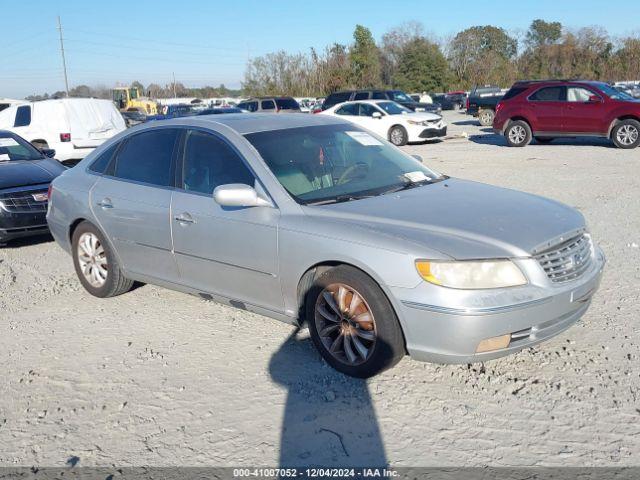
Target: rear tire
[
  {"x": 352, "y": 323},
  {"x": 518, "y": 134},
  {"x": 398, "y": 136},
  {"x": 485, "y": 117},
  {"x": 626, "y": 134},
  {"x": 96, "y": 264}
]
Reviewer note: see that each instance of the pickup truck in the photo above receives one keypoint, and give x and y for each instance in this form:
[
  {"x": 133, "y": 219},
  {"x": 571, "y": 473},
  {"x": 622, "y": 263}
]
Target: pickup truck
[{"x": 482, "y": 102}]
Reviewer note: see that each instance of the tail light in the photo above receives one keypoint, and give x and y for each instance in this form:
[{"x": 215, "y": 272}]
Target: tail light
[
  {"x": 467, "y": 103},
  {"x": 49, "y": 192},
  {"x": 65, "y": 137},
  {"x": 499, "y": 106}
]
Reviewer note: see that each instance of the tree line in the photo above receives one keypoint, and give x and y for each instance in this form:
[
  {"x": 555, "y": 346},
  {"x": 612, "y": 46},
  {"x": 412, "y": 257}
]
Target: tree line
[{"x": 408, "y": 59}]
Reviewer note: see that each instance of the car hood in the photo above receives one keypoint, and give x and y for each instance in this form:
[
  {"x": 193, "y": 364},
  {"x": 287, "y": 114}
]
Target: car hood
[
  {"x": 421, "y": 116},
  {"x": 458, "y": 218},
  {"x": 28, "y": 172}
]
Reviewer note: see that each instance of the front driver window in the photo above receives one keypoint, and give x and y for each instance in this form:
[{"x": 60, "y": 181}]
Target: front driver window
[
  {"x": 577, "y": 94},
  {"x": 210, "y": 162},
  {"x": 367, "y": 110}
]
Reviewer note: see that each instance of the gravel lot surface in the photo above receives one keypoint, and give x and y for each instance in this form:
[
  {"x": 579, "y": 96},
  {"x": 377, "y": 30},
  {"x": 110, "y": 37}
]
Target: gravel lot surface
[{"x": 156, "y": 377}]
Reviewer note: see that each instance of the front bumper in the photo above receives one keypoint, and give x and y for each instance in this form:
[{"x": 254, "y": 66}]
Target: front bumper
[
  {"x": 429, "y": 133},
  {"x": 530, "y": 314},
  {"x": 23, "y": 222}
]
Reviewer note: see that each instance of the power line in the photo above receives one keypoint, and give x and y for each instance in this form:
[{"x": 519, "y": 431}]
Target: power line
[{"x": 64, "y": 61}]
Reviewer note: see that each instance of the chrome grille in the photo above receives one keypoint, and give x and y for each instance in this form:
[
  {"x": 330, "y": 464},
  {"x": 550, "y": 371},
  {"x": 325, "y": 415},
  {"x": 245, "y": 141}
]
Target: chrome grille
[
  {"x": 567, "y": 260},
  {"x": 23, "y": 202}
]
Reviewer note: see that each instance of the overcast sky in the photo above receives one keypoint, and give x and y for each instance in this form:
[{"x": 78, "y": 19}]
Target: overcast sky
[{"x": 208, "y": 42}]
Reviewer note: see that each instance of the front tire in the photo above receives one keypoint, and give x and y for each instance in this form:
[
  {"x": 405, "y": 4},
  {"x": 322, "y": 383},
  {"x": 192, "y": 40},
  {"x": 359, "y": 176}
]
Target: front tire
[
  {"x": 518, "y": 134},
  {"x": 398, "y": 136},
  {"x": 96, "y": 264},
  {"x": 626, "y": 134},
  {"x": 352, "y": 323},
  {"x": 486, "y": 118}
]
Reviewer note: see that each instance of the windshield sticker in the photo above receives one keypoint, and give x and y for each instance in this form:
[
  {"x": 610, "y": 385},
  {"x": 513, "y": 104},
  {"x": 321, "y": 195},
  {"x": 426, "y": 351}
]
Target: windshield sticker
[
  {"x": 8, "y": 142},
  {"x": 4, "y": 157},
  {"x": 364, "y": 138},
  {"x": 416, "y": 176}
]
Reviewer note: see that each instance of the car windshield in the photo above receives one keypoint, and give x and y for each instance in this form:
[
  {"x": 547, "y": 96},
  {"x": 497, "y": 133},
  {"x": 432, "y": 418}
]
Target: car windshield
[
  {"x": 614, "y": 93},
  {"x": 13, "y": 147},
  {"x": 392, "y": 108},
  {"x": 333, "y": 163},
  {"x": 401, "y": 97}
]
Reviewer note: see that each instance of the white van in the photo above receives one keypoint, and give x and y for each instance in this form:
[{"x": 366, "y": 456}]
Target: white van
[{"x": 73, "y": 127}]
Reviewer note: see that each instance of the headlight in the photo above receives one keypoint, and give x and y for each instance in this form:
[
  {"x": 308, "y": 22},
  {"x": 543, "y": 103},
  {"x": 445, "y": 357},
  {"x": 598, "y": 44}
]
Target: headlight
[
  {"x": 414, "y": 122},
  {"x": 471, "y": 274}
]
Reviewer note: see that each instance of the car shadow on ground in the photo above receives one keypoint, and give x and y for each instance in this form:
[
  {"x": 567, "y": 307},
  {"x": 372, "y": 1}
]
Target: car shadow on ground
[
  {"x": 499, "y": 141},
  {"x": 28, "y": 241},
  {"x": 466, "y": 122},
  {"x": 329, "y": 419}
]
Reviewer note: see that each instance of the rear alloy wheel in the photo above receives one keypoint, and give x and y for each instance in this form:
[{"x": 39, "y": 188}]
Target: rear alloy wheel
[
  {"x": 518, "y": 134},
  {"x": 398, "y": 136},
  {"x": 486, "y": 118},
  {"x": 95, "y": 263},
  {"x": 626, "y": 134},
  {"x": 352, "y": 323}
]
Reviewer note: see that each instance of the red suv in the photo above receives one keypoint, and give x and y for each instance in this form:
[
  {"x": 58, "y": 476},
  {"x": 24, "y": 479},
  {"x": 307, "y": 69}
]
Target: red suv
[{"x": 549, "y": 109}]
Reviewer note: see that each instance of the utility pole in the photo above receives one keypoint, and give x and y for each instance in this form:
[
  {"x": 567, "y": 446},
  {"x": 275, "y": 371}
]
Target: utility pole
[
  {"x": 64, "y": 62},
  {"x": 174, "y": 85}
]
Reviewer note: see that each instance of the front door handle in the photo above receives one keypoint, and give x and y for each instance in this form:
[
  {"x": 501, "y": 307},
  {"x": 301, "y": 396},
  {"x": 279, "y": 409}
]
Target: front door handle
[
  {"x": 105, "y": 203},
  {"x": 184, "y": 218}
]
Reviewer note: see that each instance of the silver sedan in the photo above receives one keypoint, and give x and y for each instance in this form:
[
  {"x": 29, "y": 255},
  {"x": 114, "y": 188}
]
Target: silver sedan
[{"x": 308, "y": 219}]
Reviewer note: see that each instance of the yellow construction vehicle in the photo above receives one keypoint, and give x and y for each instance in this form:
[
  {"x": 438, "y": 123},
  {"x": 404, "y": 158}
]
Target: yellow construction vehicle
[{"x": 129, "y": 98}]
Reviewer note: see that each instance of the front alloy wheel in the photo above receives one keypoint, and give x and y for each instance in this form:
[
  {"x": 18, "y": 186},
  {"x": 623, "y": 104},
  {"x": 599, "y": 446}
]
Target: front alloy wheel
[
  {"x": 627, "y": 134},
  {"x": 352, "y": 323},
  {"x": 345, "y": 324}
]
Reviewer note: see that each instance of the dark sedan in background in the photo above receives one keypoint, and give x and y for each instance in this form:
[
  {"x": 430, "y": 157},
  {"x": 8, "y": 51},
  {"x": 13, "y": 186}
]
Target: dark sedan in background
[{"x": 25, "y": 175}]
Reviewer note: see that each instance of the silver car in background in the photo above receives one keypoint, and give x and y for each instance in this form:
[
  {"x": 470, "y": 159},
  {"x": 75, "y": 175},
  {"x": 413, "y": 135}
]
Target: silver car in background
[{"x": 309, "y": 219}]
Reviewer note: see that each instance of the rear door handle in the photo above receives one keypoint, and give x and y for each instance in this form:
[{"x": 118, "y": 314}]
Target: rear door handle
[
  {"x": 184, "y": 218},
  {"x": 105, "y": 203}
]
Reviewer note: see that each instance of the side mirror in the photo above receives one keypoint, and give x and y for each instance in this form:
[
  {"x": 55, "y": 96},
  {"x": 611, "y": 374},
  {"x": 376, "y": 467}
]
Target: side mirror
[
  {"x": 238, "y": 195},
  {"x": 48, "y": 152},
  {"x": 376, "y": 115},
  {"x": 594, "y": 99},
  {"x": 417, "y": 157}
]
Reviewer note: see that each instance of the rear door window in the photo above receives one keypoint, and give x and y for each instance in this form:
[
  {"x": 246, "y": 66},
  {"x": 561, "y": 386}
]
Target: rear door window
[
  {"x": 335, "y": 98},
  {"x": 349, "y": 109},
  {"x": 287, "y": 104},
  {"x": 23, "y": 116},
  {"x": 147, "y": 157},
  {"x": 379, "y": 96},
  {"x": 361, "y": 96},
  {"x": 268, "y": 105},
  {"x": 549, "y": 94}
]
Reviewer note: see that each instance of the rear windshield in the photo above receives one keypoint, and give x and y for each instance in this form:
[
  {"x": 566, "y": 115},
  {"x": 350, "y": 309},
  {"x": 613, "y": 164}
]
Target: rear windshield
[
  {"x": 287, "y": 104},
  {"x": 13, "y": 148},
  {"x": 513, "y": 92}
]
